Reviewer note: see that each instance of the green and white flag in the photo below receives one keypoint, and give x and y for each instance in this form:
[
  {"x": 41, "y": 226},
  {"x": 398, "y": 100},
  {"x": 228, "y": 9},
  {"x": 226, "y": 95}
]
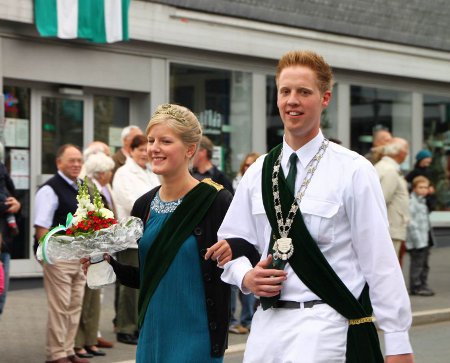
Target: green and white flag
[{"x": 100, "y": 21}]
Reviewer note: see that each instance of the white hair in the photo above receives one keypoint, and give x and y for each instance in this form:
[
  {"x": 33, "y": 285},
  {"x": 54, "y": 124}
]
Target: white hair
[
  {"x": 126, "y": 131},
  {"x": 98, "y": 163},
  {"x": 395, "y": 147},
  {"x": 91, "y": 150}
]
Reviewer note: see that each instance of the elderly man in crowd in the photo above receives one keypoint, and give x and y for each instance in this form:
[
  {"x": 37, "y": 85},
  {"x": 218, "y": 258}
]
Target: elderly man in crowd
[
  {"x": 381, "y": 137},
  {"x": 64, "y": 280},
  {"x": 395, "y": 189}
]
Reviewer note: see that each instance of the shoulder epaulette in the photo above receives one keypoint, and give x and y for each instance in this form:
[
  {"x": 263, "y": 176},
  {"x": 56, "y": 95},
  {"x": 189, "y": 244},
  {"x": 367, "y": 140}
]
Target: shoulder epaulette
[{"x": 213, "y": 183}]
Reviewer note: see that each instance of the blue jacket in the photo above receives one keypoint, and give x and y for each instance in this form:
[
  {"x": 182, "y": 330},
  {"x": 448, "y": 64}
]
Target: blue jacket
[{"x": 419, "y": 224}]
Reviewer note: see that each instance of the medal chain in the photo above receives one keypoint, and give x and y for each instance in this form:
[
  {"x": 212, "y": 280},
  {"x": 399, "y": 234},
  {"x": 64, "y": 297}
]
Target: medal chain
[{"x": 285, "y": 226}]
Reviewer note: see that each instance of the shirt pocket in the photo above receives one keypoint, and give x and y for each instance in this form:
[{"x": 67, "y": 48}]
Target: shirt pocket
[
  {"x": 319, "y": 216},
  {"x": 257, "y": 205},
  {"x": 259, "y": 215}
]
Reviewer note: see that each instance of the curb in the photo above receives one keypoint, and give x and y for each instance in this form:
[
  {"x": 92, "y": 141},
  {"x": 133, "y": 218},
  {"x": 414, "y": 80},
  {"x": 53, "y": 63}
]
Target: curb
[
  {"x": 419, "y": 318},
  {"x": 430, "y": 316}
]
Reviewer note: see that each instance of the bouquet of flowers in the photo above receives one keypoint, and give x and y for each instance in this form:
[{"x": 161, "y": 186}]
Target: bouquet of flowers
[{"x": 91, "y": 231}]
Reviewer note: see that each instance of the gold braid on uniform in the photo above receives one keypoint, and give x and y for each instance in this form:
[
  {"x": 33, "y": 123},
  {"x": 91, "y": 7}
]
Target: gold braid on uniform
[
  {"x": 367, "y": 319},
  {"x": 170, "y": 110},
  {"x": 213, "y": 183}
]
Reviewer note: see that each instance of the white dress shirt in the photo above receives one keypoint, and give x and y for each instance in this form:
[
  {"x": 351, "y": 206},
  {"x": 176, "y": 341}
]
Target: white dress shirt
[
  {"x": 46, "y": 203},
  {"x": 344, "y": 210}
]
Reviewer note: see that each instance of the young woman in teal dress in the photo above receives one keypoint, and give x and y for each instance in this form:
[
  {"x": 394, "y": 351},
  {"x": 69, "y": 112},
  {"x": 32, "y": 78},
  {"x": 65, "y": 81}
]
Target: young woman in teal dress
[{"x": 183, "y": 304}]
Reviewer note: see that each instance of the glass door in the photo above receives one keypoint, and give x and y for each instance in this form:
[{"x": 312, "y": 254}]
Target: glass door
[
  {"x": 62, "y": 123},
  {"x": 55, "y": 119}
]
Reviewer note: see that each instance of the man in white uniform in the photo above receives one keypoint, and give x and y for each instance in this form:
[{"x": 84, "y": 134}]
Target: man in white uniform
[{"x": 324, "y": 315}]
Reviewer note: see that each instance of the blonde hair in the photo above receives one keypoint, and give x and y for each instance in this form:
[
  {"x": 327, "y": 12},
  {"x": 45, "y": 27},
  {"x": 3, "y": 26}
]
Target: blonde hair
[
  {"x": 181, "y": 120},
  {"x": 311, "y": 60},
  {"x": 420, "y": 179}
]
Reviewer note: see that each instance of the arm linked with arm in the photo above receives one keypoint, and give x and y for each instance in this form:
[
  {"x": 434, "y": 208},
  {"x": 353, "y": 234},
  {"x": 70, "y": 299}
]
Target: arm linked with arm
[{"x": 240, "y": 247}]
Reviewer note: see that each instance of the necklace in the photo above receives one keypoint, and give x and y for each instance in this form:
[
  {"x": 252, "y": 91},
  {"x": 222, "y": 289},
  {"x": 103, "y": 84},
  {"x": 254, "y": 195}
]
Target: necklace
[{"x": 283, "y": 246}]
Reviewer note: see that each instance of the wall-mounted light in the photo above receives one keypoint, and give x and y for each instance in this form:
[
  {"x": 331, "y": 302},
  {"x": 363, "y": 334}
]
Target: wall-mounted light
[{"x": 71, "y": 91}]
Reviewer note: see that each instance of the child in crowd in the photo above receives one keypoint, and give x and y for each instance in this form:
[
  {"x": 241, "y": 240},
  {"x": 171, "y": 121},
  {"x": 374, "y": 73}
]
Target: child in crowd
[{"x": 419, "y": 239}]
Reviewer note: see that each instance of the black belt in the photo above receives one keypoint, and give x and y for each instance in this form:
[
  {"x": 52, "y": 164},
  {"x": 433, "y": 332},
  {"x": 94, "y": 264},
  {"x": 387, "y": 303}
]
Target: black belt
[{"x": 283, "y": 304}]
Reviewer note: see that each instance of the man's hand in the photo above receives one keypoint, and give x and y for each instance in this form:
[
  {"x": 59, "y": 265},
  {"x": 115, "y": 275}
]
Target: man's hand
[
  {"x": 400, "y": 358},
  {"x": 262, "y": 281},
  {"x": 13, "y": 203},
  {"x": 220, "y": 252}
]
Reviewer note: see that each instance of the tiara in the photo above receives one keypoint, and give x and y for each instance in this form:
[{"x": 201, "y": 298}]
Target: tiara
[{"x": 171, "y": 110}]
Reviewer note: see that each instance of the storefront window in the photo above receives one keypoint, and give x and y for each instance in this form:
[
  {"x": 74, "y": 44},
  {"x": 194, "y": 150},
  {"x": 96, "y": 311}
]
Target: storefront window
[
  {"x": 62, "y": 123},
  {"x": 436, "y": 136},
  {"x": 111, "y": 115},
  {"x": 15, "y": 138},
  {"x": 221, "y": 99},
  {"x": 328, "y": 121},
  {"x": 378, "y": 108}
]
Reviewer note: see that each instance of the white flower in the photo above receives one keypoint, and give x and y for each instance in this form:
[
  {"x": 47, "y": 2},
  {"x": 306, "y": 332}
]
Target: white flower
[
  {"x": 75, "y": 219},
  {"x": 106, "y": 213}
]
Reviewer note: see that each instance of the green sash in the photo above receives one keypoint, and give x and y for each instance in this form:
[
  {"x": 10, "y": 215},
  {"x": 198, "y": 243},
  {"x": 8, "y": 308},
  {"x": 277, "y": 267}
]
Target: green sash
[
  {"x": 176, "y": 230},
  {"x": 313, "y": 269}
]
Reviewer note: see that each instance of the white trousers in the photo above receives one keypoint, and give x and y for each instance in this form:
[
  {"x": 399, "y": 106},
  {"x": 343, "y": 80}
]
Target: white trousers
[{"x": 311, "y": 335}]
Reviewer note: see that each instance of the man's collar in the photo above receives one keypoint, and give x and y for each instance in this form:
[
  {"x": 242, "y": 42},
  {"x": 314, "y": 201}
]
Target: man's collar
[
  {"x": 305, "y": 153},
  {"x": 391, "y": 161},
  {"x": 68, "y": 180},
  {"x": 208, "y": 172}
]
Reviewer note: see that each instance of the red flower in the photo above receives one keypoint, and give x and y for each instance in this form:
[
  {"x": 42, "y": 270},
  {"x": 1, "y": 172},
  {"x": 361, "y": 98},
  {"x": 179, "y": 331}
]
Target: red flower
[{"x": 92, "y": 223}]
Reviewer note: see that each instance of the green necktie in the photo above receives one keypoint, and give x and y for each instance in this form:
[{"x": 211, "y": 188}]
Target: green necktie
[{"x": 290, "y": 180}]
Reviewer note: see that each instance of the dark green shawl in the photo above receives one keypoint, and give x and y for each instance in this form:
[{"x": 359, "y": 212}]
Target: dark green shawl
[{"x": 313, "y": 269}]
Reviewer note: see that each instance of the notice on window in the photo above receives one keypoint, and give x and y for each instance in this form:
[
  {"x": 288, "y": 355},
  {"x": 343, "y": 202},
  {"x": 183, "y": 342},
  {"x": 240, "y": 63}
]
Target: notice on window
[
  {"x": 20, "y": 168},
  {"x": 16, "y": 132},
  {"x": 217, "y": 157},
  {"x": 114, "y": 139}
]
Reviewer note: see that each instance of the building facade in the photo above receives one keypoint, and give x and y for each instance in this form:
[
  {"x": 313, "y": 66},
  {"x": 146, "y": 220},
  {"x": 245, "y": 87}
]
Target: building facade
[{"x": 218, "y": 58}]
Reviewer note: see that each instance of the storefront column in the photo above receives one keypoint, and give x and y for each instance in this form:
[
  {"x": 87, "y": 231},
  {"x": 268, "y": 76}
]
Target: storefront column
[
  {"x": 259, "y": 118},
  {"x": 417, "y": 136},
  {"x": 159, "y": 83},
  {"x": 343, "y": 113}
]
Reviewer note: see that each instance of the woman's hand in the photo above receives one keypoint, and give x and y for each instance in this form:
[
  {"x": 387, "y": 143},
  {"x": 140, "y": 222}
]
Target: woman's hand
[
  {"x": 220, "y": 252},
  {"x": 86, "y": 262}
]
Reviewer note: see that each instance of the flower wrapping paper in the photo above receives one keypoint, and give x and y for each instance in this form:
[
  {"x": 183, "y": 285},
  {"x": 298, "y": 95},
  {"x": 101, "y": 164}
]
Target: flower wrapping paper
[{"x": 110, "y": 240}]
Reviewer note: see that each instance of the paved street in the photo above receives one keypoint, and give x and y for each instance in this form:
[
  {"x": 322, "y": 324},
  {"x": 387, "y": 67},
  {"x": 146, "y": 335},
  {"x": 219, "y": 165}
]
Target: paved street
[
  {"x": 22, "y": 326},
  {"x": 430, "y": 342}
]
